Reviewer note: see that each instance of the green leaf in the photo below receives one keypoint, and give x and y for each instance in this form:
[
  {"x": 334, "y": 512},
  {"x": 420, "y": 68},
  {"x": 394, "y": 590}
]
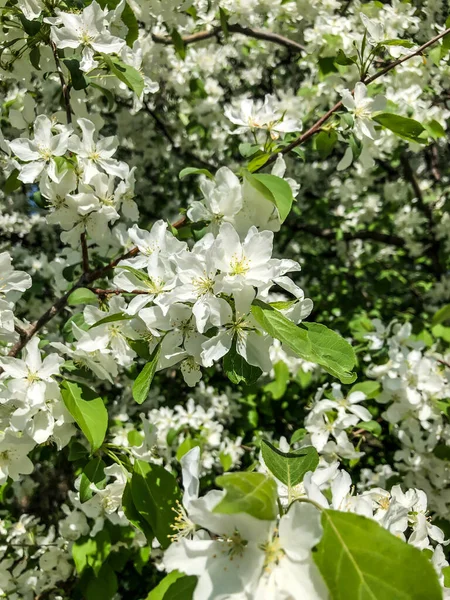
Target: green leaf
[
  {"x": 343, "y": 59},
  {"x": 403, "y": 43},
  {"x": 103, "y": 587},
  {"x": 12, "y": 183},
  {"x": 93, "y": 472},
  {"x": 88, "y": 411},
  {"x": 258, "y": 161},
  {"x": 446, "y": 574},
  {"x": 359, "y": 559},
  {"x": 166, "y": 588},
  {"x": 224, "y": 22},
  {"x": 112, "y": 319},
  {"x": 275, "y": 189},
  {"x": 237, "y": 368},
  {"x": 35, "y": 57},
  {"x": 289, "y": 467},
  {"x": 131, "y": 23},
  {"x": 185, "y": 446},
  {"x": 325, "y": 142},
  {"x": 140, "y": 275},
  {"x": 91, "y": 551},
  {"x": 133, "y": 515},
  {"x": 442, "y": 315},
  {"x": 370, "y": 388},
  {"x": 442, "y": 451},
  {"x": 435, "y": 129},
  {"x": 180, "y": 46},
  {"x": 143, "y": 381},
  {"x": 125, "y": 73},
  {"x": 182, "y": 589},
  {"x": 193, "y": 171},
  {"x": 155, "y": 495},
  {"x": 278, "y": 387},
  {"x": 82, "y": 296},
  {"x": 313, "y": 342},
  {"x": 252, "y": 493},
  {"x": 404, "y": 127},
  {"x": 332, "y": 352},
  {"x": 78, "y": 78},
  {"x": 371, "y": 426}
]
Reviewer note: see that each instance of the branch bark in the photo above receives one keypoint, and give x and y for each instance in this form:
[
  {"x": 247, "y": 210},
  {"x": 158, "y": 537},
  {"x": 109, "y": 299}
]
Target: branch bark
[{"x": 251, "y": 32}]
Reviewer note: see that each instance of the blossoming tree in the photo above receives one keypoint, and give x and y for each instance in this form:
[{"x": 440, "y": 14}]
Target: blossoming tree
[{"x": 224, "y": 288}]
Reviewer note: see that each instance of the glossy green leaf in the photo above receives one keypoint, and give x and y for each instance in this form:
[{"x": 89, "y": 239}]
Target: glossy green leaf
[
  {"x": 370, "y": 388},
  {"x": 88, "y": 411},
  {"x": 93, "y": 473},
  {"x": 401, "y": 126},
  {"x": 91, "y": 551},
  {"x": 155, "y": 495},
  {"x": 193, "y": 171},
  {"x": 77, "y": 77},
  {"x": 442, "y": 315},
  {"x": 289, "y": 467},
  {"x": 275, "y": 189},
  {"x": 237, "y": 368},
  {"x": 104, "y": 586},
  {"x": 325, "y": 142},
  {"x": 112, "y": 319},
  {"x": 252, "y": 493},
  {"x": 174, "y": 586},
  {"x": 127, "y": 74},
  {"x": 82, "y": 296},
  {"x": 360, "y": 559},
  {"x": 143, "y": 381},
  {"x": 278, "y": 387},
  {"x": 133, "y": 515}
]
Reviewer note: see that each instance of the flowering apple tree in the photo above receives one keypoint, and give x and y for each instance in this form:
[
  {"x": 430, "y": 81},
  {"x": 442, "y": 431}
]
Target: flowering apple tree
[{"x": 224, "y": 300}]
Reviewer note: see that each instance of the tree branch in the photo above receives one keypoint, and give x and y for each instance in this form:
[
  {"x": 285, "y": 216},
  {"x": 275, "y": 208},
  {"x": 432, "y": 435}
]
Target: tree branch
[
  {"x": 318, "y": 124},
  {"x": 251, "y": 32},
  {"x": 84, "y": 252},
  {"x": 64, "y": 86}
]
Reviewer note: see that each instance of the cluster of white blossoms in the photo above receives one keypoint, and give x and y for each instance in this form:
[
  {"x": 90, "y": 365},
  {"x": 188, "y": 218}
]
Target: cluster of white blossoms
[
  {"x": 415, "y": 387},
  {"x": 12, "y": 284}
]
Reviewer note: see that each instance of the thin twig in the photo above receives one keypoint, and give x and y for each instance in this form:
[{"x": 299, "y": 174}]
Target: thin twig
[
  {"x": 318, "y": 124},
  {"x": 64, "y": 86},
  {"x": 259, "y": 34},
  {"x": 84, "y": 252},
  {"x": 111, "y": 292}
]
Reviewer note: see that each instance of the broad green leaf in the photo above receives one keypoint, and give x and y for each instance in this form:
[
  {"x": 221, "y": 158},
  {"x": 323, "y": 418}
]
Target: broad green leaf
[
  {"x": 127, "y": 74},
  {"x": 185, "y": 446},
  {"x": 371, "y": 426},
  {"x": 277, "y": 388},
  {"x": 325, "y": 142},
  {"x": 358, "y": 559},
  {"x": 289, "y": 467},
  {"x": 258, "y": 161},
  {"x": 180, "y": 46},
  {"x": 77, "y": 77},
  {"x": 143, "y": 381},
  {"x": 435, "y": 129},
  {"x": 312, "y": 341},
  {"x": 77, "y": 451},
  {"x": 439, "y": 331},
  {"x": 112, "y": 319},
  {"x": 251, "y": 493},
  {"x": 88, "y": 411},
  {"x": 82, "y": 296},
  {"x": 275, "y": 189},
  {"x": 166, "y": 588},
  {"x": 237, "y": 368},
  {"x": 93, "y": 472},
  {"x": 193, "y": 171},
  {"x": 131, "y": 23},
  {"x": 133, "y": 515},
  {"x": 298, "y": 435},
  {"x": 104, "y": 586},
  {"x": 370, "y": 388},
  {"x": 442, "y": 315},
  {"x": 155, "y": 495},
  {"x": 332, "y": 352},
  {"x": 91, "y": 551},
  {"x": 404, "y": 127}
]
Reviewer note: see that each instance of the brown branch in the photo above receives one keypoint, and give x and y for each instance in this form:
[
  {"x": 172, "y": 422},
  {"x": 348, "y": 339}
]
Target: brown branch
[
  {"x": 318, "y": 124},
  {"x": 111, "y": 292},
  {"x": 64, "y": 86},
  {"x": 329, "y": 234},
  {"x": 258, "y": 34}
]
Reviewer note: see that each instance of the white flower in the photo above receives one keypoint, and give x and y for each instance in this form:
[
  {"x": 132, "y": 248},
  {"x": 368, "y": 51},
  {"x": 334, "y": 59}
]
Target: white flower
[
  {"x": 362, "y": 107},
  {"x": 14, "y": 461},
  {"x": 39, "y": 153},
  {"x": 87, "y": 29}
]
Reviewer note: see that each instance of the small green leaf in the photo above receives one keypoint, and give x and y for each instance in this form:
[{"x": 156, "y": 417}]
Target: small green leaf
[
  {"x": 131, "y": 23},
  {"x": 403, "y": 43},
  {"x": 82, "y": 296},
  {"x": 133, "y": 515},
  {"x": 180, "y": 46},
  {"x": 278, "y": 387},
  {"x": 371, "y": 426},
  {"x": 159, "y": 592},
  {"x": 289, "y": 467},
  {"x": 93, "y": 472},
  {"x": 125, "y": 73},
  {"x": 252, "y": 493},
  {"x": 155, "y": 495},
  {"x": 193, "y": 171},
  {"x": 12, "y": 183},
  {"x": 435, "y": 129},
  {"x": 360, "y": 559},
  {"x": 88, "y": 411},
  {"x": 185, "y": 446},
  {"x": 224, "y": 22},
  {"x": 442, "y": 315},
  {"x": 370, "y": 388},
  {"x": 325, "y": 142},
  {"x": 275, "y": 189},
  {"x": 143, "y": 381},
  {"x": 112, "y": 319},
  {"x": 343, "y": 59},
  {"x": 408, "y": 129},
  {"x": 91, "y": 551},
  {"x": 237, "y": 368},
  {"x": 35, "y": 57},
  {"x": 78, "y": 78}
]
